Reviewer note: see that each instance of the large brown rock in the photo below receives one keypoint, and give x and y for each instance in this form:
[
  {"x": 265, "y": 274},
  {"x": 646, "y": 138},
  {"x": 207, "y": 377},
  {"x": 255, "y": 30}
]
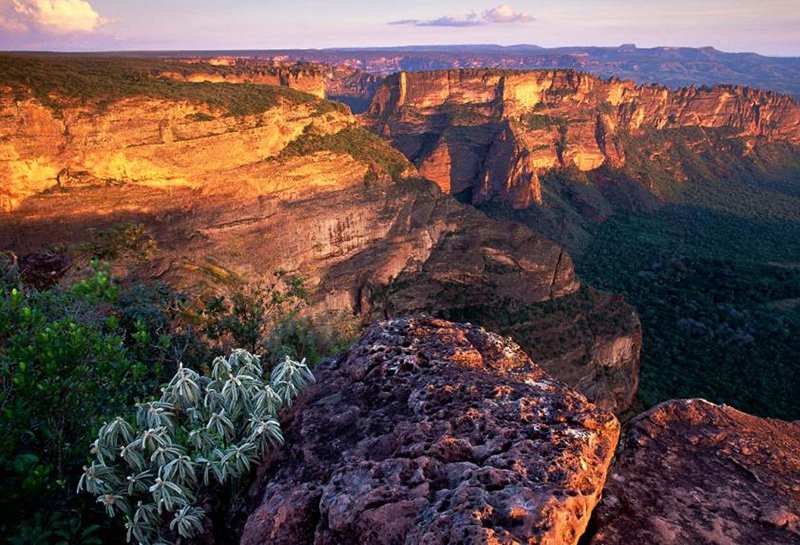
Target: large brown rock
[
  {"x": 431, "y": 432},
  {"x": 694, "y": 472}
]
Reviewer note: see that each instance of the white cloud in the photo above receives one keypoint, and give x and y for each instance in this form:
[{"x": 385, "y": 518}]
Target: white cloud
[
  {"x": 505, "y": 14},
  {"x": 55, "y": 16},
  {"x": 502, "y": 14}
]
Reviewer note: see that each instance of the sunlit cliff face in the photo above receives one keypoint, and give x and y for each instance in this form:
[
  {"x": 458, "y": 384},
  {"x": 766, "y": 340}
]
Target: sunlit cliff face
[{"x": 494, "y": 132}]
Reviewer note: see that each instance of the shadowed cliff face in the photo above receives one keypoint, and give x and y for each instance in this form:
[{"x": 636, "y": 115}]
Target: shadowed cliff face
[
  {"x": 226, "y": 201},
  {"x": 489, "y": 135}
]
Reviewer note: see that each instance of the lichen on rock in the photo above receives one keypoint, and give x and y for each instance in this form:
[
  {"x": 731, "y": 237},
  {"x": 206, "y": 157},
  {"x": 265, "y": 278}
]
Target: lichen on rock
[{"x": 428, "y": 431}]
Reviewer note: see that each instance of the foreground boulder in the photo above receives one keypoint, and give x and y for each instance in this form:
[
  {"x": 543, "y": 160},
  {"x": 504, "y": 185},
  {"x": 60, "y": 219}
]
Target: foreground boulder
[
  {"x": 694, "y": 472},
  {"x": 432, "y": 432}
]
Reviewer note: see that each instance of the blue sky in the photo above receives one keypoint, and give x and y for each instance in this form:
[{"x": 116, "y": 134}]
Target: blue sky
[{"x": 764, "y": 26}]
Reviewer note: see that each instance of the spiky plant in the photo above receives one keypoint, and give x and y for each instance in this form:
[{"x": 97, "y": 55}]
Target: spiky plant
[{"x": 202, "y": 431}]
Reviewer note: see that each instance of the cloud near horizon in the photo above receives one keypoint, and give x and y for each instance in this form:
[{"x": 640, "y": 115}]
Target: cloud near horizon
[
  {"x": 49, "y": 16},
  {"x": 502, "y": 14}
]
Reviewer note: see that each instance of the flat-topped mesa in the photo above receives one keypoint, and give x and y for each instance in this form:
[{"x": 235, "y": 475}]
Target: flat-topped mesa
[
  {"x": 493, "y": 132},
  {"x": 306, "y": 78}
]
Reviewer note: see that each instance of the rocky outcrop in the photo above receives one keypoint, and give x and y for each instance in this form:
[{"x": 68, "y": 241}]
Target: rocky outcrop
[
  {"x": 694, "y": 472},
  {"x": 432, "y": 432},
  {"x": 306, "y": 78},
  {"x": 490, "y": 134},
  {"x": 224, "y": 205}
]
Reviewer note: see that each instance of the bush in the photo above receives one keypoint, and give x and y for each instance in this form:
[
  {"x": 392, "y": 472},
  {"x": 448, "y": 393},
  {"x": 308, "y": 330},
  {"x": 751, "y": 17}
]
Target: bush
[
  {"x": 358, "y": 142},
  {"x": 63, "y": 364},
  {"x": 202, "y": 431}
]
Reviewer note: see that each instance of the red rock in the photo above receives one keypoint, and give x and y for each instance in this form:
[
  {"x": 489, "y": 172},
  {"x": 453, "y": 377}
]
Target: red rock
[
  {"x": 694, "y": 472},
  {"x": 432, "y": 432},
  {"x": 42, "y": 269},
  {"x": 504, "y": 127}
]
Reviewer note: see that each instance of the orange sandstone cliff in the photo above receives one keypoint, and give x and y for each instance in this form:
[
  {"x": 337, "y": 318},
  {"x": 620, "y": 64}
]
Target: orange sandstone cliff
[
  {"x": 491, "y": 134},
  {"x": 233, "y": 198}
]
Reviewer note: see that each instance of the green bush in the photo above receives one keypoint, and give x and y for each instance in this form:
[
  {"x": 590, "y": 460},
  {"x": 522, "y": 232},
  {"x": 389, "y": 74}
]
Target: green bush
[
  {"x": 63, "y": 365},
  {"x": 361, "y": 144},
  {"x": 202, "y": 431}
]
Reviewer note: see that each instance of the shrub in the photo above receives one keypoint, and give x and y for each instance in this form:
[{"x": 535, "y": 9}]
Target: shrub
[
  {"x": 245, "y": 316},
  {"x": 358, "y": 142},
  {"x": 63, "y": 363},
  {"x": 202, "y": 431}
]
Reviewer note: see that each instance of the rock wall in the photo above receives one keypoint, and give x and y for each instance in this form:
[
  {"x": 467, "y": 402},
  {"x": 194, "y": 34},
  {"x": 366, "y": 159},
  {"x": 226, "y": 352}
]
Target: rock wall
[
  {"x": 491, "y": 133},
  {"x": 306, "y": 79},
  {"x": 223, "y": 207}
]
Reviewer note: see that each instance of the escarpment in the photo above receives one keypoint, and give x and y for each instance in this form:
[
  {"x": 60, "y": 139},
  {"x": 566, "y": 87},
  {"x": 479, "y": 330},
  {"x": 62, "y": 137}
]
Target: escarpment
[
  {"x": 489, "y": 135},
  {"x": 427, "y": 431},
  {"x": 297, "y": 187},
  {"x": 306, "y": 78}
]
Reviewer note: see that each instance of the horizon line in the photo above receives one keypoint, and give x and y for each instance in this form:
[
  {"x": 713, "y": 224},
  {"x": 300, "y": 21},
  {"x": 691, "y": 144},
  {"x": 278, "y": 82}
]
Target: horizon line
[{"x": 382, "y": 48}]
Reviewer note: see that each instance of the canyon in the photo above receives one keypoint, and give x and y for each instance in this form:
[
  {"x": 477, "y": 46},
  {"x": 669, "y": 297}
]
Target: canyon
[
  {"x": 494, "y": 414},
  {"x": 226, "y": 201},
  {"x": 490, "y": 135}
]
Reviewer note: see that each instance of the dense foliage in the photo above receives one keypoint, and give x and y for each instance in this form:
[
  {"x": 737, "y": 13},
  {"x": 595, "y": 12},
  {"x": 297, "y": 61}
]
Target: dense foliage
[
  {"x": 74, "y": 356},
  {"x": 719, "y": 300}
]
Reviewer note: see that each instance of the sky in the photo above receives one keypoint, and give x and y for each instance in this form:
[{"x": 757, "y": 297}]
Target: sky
[{"x": 769, "y": 27}]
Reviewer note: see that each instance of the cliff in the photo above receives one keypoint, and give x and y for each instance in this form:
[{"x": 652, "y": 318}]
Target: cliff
[
  {"x": 489, "y": 134},
  {"x": 308, "y": 79},
  {"x": 296, "y": 187}
]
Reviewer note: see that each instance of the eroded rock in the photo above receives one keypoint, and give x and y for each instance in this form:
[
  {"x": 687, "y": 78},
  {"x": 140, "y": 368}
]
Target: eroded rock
[
  {"x": 432, "y": 432},
  {"x": 694, "y": 472}
]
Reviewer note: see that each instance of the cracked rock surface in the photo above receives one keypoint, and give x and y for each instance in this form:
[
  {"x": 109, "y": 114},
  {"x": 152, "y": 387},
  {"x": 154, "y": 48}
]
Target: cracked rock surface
[
  {"x": 432, "y": 432},
  {"x": 694, "y": 472}
]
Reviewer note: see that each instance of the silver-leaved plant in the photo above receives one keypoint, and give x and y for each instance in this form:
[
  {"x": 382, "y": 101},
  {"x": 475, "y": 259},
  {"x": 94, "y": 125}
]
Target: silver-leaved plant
[{"x": 203, "y": 430}]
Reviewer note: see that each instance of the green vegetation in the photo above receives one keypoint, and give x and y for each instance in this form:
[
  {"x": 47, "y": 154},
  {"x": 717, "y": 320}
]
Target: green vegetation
[
  {"x": 706, "y": 293},
  {"x": 203, "y": 431},
  {"x": 76, "y": 355},
  {"x": 710, "y": 266},
  {"x": 537, "y": 122},
  {"x": 104, "y": 80},
  {"x": 357, "y": 142}
]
